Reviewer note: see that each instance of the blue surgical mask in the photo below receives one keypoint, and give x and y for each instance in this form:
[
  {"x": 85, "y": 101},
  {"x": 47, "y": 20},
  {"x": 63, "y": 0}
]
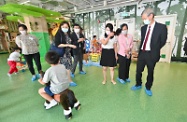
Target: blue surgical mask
[
  {"x": 65, "y": 30},
  {"x": 146, "y": 22}
]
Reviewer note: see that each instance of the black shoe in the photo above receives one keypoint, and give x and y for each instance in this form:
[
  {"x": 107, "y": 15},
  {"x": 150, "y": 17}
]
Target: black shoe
[
  {"x": 78, "y": 107},
  {"x": 69, "y": 116}
]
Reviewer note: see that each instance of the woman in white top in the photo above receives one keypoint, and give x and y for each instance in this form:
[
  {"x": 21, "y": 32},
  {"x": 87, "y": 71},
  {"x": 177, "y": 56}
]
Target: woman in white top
[
  {"x": 29, "y": 45},
  {"x": 109, "y": 52}
]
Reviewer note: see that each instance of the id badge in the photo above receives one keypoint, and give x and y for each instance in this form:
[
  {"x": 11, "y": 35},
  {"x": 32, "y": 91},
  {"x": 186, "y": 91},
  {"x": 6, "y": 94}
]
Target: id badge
[{"x": 31, "y": 38}]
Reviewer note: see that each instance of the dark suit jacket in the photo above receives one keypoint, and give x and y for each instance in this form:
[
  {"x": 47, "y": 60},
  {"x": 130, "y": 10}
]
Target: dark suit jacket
[
  {"x": 59, "y": 38},
  {"x": 158, "y": 40},
  {"x": 75, "y": 42}
]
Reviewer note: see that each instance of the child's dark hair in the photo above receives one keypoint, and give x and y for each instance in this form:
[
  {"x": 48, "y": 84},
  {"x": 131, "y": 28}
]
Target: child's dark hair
[
  {"x": 16, "y": 48},
  {"x": 94, "y": 36},
  {"x": 23, "y": 26},
  {"x": 52, "y": 57}
]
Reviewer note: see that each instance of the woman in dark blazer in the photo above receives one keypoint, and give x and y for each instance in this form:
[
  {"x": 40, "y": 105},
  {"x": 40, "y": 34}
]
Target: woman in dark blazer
[{"x": 63, "y": 40}]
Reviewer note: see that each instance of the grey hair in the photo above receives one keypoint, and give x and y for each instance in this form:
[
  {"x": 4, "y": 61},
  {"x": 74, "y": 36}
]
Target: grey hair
[{"x": 148, "y": 11}]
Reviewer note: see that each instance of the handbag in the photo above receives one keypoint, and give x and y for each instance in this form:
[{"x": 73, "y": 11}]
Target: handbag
[{"x": 59, "y": 51}]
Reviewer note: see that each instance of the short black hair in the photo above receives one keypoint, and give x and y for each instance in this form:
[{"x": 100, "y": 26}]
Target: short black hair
[
  {"x": 16, "y": 48},
  {"x": 23, "y": 26},
  {"x": 52, "y": 57},
  {"x": 124, "y": 24},
  {"x": 77, "y": 25},
  {"x": 94, "y": 36}
]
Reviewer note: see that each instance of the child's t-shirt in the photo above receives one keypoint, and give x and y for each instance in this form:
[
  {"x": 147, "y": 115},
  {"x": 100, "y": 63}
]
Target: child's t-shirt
[
  {"x": 58, "y": 78},
  {"x": 14, "y": 56}
]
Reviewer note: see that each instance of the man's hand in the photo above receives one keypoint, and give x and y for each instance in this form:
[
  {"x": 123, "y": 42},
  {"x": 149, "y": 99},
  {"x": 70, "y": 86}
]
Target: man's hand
[{"x": 81, "y": 40}]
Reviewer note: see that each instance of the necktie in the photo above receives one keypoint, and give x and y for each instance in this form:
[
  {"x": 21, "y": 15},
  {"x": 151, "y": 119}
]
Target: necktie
[{"x": 146, "y": 39}]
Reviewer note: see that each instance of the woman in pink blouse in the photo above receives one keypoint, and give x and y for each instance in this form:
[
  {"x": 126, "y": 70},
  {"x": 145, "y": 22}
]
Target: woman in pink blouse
[{"x": 125, "y": 44}]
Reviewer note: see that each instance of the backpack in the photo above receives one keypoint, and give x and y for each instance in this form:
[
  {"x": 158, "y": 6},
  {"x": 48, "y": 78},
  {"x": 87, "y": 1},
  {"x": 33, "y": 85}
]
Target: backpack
[{"x": 185, "y": 46}]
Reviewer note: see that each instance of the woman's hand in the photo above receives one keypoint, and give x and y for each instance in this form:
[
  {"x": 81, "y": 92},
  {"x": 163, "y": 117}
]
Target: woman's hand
[
  {"x": 127, "y": 51},
  {"x": 128, "y": 56},
  {"x": 81, "y": 39},
  {"x": 111, "y": 34}
]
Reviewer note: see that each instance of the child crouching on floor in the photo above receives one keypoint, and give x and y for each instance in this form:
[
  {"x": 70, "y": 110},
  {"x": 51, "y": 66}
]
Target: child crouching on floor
[
  {"x": 57, "y": 76},
  {"x": 14, "y": 57}
]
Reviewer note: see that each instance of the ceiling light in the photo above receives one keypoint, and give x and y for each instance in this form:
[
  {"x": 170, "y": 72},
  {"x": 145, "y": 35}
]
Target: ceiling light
[
  {"x": 75, "y": 8},
  {"x": 105, "y": 3}
]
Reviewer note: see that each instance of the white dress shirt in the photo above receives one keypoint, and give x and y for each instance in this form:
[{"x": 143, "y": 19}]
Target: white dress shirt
[{"x": 148, "y": 45}]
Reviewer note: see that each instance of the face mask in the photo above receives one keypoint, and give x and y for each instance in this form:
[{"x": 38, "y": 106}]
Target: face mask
[
  {"x": 146, "y": 22},
  {"x": 77, "y": 30},
  {"x": 65, "y": 30},
  {"x": 124, "y": 32},
  {"x": 107, "y": 32},
  {"x": 22, "y": 32}
]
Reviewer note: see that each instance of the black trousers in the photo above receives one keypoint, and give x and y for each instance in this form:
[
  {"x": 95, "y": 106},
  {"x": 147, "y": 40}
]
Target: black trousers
[
  {"x": 144, "y": 59},
  {"x": 124, "y": 66},
  {"x": 67, "y": 99},
  {"x": 77, "y": 58},
  {"x": 29, "y": 59}
]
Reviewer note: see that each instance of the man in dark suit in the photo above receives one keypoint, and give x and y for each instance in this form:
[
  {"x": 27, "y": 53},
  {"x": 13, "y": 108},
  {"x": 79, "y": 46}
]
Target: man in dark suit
[
  {"x": 78, "y": 40},
  {"x": 153, "y": 38}
]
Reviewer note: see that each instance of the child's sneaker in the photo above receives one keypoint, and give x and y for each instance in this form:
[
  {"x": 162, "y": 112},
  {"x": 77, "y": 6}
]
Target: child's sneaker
[
  {"x": 46, "y": 103},
  {"x": 16, "y": 73},
  {"x": 51, "y": 104},
  {"x": 9, "y": 74}
]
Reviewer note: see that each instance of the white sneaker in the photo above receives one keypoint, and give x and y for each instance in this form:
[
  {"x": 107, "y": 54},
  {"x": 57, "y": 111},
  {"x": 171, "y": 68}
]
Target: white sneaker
[
  {"x": 46, "y": 104},
  {"x": 51, "y": 104},
  {"x": 9, "y": 74},
  {"x": 16, "y": 73}
]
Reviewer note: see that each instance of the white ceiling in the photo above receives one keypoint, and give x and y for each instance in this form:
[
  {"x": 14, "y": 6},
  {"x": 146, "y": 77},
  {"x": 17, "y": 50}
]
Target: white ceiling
[{"x": 76, "y": 6}]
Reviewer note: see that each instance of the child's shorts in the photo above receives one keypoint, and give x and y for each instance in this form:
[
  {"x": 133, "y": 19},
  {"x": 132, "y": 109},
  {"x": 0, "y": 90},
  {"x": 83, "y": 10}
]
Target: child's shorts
[{"x": 48, "y": 91}]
